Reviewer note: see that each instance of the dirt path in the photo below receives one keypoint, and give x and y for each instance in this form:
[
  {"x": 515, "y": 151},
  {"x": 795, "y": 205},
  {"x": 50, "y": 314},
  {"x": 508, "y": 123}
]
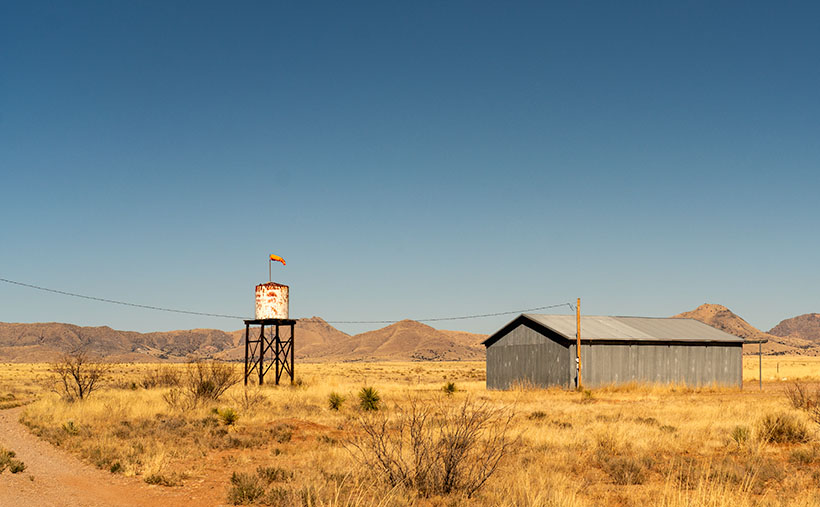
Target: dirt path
[{"x": 55, "y": 478}]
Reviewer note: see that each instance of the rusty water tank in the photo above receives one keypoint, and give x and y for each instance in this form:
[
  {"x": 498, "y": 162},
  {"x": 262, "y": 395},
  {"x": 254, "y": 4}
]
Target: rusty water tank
[{"x": 271, "y": 301}]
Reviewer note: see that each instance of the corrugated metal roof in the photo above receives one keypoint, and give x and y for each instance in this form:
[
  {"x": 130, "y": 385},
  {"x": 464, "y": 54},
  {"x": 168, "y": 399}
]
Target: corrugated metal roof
[{"x": 633, "y": 328}]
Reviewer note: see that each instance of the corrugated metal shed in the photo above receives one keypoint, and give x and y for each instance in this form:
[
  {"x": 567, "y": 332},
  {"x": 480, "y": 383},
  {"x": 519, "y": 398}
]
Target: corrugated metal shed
[
  {"x": 631, "y": 329},
  {"x": 541, "y": 349}
]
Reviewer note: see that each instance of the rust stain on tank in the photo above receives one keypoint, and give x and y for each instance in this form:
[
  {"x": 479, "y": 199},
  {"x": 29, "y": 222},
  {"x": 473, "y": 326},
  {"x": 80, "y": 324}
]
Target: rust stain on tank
[{"x": 272, "y": 301}]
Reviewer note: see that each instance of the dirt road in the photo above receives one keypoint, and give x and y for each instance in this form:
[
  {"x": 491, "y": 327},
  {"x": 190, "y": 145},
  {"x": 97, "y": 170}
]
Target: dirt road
[{"x": 56, "y": 478}]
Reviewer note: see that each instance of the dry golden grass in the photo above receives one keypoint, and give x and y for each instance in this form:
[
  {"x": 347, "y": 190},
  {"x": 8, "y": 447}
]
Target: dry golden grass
[
  {"x": 626, "y": 445},
  {"x": 782, "y": 368}
]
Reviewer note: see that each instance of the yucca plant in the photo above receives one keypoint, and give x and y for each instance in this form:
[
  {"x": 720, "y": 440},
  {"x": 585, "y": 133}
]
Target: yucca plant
[
  {"x": 335, "y": 401},
  {"x": 449, "y": 388},
  {"x": 228, "y": 416},
  {"x": 369, "y": 399}
]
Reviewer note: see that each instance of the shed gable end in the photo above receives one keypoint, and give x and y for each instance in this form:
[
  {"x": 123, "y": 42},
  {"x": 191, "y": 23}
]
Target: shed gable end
[
  {"x": 523, "y": 353},
  {"x": 523, "y": 334}
]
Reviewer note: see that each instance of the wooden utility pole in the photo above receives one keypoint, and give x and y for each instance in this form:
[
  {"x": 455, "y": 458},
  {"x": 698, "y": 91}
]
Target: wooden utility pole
[{"x": 578, "y": 340}]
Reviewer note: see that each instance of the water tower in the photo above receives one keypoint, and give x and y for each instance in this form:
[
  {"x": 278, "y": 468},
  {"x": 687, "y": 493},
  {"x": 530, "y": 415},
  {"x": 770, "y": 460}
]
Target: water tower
[{"x": 274, "y": 349}]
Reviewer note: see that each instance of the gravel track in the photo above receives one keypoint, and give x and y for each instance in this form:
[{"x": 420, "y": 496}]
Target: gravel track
[{"x": 54, "y": 477}]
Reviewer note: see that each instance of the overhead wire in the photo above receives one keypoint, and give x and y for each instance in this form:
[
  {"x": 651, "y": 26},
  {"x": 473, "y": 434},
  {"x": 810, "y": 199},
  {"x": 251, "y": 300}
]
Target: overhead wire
[
  {"x": 463, "y": 317},
  {"x": 220, "y": 315},
  {"x": 124, "y": 303}
]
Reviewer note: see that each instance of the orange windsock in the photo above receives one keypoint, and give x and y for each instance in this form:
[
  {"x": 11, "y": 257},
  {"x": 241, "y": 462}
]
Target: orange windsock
[{"x": 277, "y": 259}]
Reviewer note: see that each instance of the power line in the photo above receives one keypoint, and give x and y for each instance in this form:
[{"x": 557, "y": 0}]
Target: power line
[
  {"x": 123, "y": 303},
  {"x": 463, "y": 317},
  {"x": 205, "y": 314}
]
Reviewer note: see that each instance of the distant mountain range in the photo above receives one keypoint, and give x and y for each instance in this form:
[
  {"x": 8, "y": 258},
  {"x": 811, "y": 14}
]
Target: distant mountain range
[
  {"x": 47, "y": 341},
  {"x": 781, "y": 340},
  {"x": 316, "y": 341}
]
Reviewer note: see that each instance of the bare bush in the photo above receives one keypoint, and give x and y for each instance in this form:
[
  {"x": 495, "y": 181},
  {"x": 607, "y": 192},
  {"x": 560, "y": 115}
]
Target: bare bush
[
  {"x": 161, "y": 376},
  {"x": 176, "y": 399},
  {"x": 78, "y": 375},
  {"x": 204, "y": 381},
  {"x": 804, "y": 398},
  {"x": 250, "y": 399},
  {"x": 436, "y": 448}
]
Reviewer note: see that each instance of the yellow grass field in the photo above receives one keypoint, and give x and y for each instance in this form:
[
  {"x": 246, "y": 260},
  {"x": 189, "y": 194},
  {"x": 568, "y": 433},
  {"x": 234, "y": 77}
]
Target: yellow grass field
[
  {"x": 782, "y": 368},
  {"x": 630, "y": 445}
]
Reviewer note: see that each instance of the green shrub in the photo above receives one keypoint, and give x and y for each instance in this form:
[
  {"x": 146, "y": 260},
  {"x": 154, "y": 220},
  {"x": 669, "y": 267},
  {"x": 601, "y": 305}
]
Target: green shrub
[
  {"x": 537, "y": 415},
  {"x": 161, "y": 480},
  {"x": 805, "y": 455},
  {"x": 335, "y": 401},
  {"x": 449, "y": 388},
  {"x": 783, "y": 428},
  {"x": 369, "y": 399},
  {"x": 327, "y": 439},
  {"x": 277, "y": 496},
  {"x": 245, "y": 488},
  {"x": 274, "y": 474},
  {"x": 227, "y": 416},
  {"x": 740, "y": 434},
  {"x": 616, "y": 459},
  {"x": 71, "y": 428},
  {"x": 282, "y": 433},
  {"x": 625, "y": 470},
  {"x": 7, "y": 460}
]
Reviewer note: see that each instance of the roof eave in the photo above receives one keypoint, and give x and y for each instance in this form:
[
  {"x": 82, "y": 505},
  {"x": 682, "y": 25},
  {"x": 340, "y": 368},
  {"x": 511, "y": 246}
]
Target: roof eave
[{"x": 525, "y": 317}]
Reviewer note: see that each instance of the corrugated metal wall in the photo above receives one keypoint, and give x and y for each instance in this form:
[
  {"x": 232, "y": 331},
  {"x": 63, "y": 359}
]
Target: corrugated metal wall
[
  {"x": 693, "y": 364},
  {"x": 526, "y": 355}
]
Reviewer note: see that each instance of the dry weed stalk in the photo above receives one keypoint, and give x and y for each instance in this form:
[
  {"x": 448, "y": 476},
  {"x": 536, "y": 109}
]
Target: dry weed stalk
[
  {"x": 436, "y": 448},
  {"x": 249, "y": 399}
]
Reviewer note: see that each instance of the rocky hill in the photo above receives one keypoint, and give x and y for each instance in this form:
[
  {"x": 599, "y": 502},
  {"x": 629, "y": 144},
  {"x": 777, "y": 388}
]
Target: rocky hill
[
  {"x": 402, "y": 341},
  {"x": 316, "y": 340},
  {"x": 720, "y": 317},
  {"x": 313, "y": 336},
  {"x": 48, "y": 341},
  {"x": 806, "y": 327}
]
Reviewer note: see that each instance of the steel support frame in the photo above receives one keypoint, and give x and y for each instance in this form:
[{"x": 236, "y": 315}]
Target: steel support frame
[{"x": 273, "y": 345}]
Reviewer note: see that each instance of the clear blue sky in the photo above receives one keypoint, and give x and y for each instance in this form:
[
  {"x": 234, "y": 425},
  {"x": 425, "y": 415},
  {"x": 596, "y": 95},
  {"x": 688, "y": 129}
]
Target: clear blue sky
[{"x": 412, "y": 160}]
